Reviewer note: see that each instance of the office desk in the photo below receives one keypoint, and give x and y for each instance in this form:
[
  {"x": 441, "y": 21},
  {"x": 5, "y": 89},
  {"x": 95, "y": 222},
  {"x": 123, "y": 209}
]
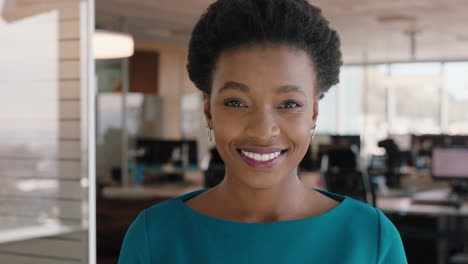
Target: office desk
[
  {"x": 194, "y": 181},
  {"x": 451, "y": 223},
  {"x": 404, "y": 206}
]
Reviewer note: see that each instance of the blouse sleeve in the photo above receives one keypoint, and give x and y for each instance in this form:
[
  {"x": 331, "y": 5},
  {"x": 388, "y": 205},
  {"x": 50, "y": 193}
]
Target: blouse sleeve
[
  {"x": 390, "y": 248},
  {"x": 135, "y": 248}
]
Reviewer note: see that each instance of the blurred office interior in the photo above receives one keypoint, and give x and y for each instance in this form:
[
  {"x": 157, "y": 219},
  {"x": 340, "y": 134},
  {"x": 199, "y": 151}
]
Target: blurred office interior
[{"x": 91, "y": 141}]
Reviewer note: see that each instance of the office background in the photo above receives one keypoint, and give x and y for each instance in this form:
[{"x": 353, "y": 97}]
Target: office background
[{"x": 86, "y": 144}]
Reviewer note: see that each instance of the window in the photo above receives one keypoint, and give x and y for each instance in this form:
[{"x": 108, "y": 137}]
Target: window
[
  {"x": 326, "y": 123},
  {"x": 456, "y": 97},
  {"x": 414, "y": 98}
]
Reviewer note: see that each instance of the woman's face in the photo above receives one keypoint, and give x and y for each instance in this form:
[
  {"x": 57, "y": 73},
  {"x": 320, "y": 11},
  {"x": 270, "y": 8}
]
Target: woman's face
[{"x": 261, "y": 109}]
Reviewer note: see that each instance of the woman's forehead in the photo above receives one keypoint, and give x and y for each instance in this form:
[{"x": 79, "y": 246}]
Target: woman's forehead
[{"x": 264, "y": 66}]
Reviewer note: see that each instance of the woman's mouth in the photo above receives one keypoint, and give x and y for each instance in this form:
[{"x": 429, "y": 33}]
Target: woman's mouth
[{"x": 261, "y": 158}]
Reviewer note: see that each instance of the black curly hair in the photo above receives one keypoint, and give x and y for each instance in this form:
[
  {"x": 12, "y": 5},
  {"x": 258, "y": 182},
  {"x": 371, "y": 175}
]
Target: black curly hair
[{"x": 230, "y": 24}]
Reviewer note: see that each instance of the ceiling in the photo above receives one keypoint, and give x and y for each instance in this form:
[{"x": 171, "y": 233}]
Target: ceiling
[{"x": 371, "y": 31}]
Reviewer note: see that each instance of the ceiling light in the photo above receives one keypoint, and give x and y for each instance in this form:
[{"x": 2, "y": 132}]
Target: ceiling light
[{"x": 112, "y": 45}]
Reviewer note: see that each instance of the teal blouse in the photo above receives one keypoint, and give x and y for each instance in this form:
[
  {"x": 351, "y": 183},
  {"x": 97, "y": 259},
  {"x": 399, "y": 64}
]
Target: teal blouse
[{"x": 173, "y": 233}]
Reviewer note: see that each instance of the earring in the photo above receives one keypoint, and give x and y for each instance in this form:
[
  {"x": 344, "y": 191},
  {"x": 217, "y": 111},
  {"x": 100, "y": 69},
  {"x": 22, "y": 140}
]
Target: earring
[
  {"x": 312, "y": 132},
  {"x": 210, "y": 134}
]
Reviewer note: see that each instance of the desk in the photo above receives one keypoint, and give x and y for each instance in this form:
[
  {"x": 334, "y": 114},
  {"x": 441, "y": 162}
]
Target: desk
[
  {"x": 148, "y": 192},
  {"x": 404, "y": 206},
  {"x": 451, "y": 222},
  {"x": 193, "y": 181}
]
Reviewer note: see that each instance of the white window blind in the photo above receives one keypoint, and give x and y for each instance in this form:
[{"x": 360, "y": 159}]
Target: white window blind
[{"x": 44, "y": 181}]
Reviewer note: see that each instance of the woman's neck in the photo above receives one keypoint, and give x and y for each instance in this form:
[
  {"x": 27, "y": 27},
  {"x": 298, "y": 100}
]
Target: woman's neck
[{"x": 284, "y": 201}]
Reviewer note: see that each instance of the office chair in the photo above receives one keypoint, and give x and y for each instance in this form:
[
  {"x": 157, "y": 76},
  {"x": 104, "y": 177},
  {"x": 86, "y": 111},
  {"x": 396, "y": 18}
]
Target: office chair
[{"x": 394, "y": 160}]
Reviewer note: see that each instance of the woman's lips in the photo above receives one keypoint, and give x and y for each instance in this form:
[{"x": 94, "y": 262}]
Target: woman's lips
[{"x": 261, "y": 158}]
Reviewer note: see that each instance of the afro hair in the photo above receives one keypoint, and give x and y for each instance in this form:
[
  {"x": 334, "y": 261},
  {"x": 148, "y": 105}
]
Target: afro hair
[{"x": 230, "y": 24}]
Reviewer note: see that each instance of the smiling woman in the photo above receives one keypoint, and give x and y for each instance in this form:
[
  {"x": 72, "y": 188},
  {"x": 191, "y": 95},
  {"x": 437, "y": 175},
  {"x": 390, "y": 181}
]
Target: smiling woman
[
  {"x": 253, "y": 118},
  {"x": 262, "y": 66}
]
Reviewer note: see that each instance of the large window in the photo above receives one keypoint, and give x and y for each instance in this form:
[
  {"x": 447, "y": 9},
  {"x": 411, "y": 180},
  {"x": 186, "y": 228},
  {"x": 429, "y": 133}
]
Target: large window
[
  {"x": 46, "y": 144},
  {"x": 456, "y": 97},
  {"x": 349, "y": 100},
  {"x": 326, "y": 123},
  {"x": 414, "y": 98},
  {"x": 341, "y": 107},
  {"x": 380, "y": 101},
  {"x": 374, "y": 125}
]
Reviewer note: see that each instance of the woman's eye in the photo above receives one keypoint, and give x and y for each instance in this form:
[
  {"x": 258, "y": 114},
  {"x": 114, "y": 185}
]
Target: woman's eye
[
  {"x": 233, "y": 103},
  {"x": 291, "y": 104}
]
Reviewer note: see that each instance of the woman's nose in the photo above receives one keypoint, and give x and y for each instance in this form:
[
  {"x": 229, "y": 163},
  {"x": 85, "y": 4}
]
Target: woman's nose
[{"x": 262, "y": 125}]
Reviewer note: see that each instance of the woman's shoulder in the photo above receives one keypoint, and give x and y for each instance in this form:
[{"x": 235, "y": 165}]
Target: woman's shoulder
[
  {"x": 359, "y": 214},
  {"x": 168, "y": 210},
  {"x": 351, "y": 206},
  {"x": 358, "y": 219},
  {"x": 364, "y": 217},
  {"x": 164, "y": 219}
]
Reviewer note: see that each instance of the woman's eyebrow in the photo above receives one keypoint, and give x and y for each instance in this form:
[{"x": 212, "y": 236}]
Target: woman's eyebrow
[
  {"x": 289, "y": 88},
  {"x": 244, "y": 88},
  {"x": 234, "y": 85}
]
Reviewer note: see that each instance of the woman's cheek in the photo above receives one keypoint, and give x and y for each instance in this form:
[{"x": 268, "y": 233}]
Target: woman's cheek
[
  {"x": 225, "y": 127},
  {"x": 298, "y": 124}
]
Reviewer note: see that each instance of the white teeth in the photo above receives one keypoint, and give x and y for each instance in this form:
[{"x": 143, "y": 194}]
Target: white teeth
[{"x": 261, "y": 157}]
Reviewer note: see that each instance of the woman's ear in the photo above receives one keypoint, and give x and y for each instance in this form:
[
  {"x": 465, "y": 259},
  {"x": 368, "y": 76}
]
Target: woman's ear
[{"x": 207, "y": 110}]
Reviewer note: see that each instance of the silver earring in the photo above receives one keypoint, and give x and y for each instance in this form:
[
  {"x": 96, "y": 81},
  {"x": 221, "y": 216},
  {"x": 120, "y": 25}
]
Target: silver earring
[
  {"x": 210, "y": 134},
  {"x": 312, "y": 132}
]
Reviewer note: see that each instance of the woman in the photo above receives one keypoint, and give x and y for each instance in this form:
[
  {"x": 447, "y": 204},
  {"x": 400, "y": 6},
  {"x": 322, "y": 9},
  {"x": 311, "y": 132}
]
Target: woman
[{"x": 262, "y": 66}]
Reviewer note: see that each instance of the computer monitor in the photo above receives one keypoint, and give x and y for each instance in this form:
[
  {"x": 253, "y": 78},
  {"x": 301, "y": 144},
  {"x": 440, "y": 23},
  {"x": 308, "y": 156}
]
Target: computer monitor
[
  {"x": 191, "y": 152},
  {"x": 423, "y": 145},
  {"x": 459, "y": 140},
  {"x": 157, "y": 151},
  {"x": 346, "y": 140},
  {"x": 450, "y": 163}
]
